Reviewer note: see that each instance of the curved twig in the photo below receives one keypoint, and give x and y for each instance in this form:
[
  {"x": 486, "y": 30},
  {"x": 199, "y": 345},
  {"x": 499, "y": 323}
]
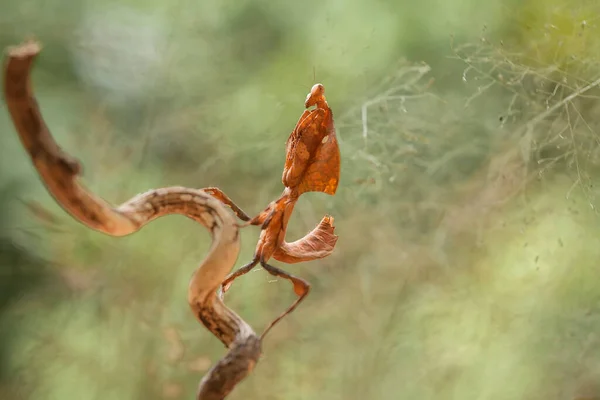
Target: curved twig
[{"x": 59, "y": 172}]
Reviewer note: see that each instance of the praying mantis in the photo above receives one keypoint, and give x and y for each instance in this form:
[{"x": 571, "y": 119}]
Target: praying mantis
[{"x": 312, "y": 164}]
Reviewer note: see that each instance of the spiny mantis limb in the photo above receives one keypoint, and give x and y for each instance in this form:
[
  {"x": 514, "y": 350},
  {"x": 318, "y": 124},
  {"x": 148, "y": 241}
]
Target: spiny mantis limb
[
  {"x": 223, "y": 198},
  {"x": 301, "y": 288},
  {"x": 237, "y": 273},
  {"x": 59, "y": 172}
]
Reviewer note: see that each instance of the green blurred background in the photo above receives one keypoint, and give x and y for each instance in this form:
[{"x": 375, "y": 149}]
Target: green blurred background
[{"x": 467, "y": 209}]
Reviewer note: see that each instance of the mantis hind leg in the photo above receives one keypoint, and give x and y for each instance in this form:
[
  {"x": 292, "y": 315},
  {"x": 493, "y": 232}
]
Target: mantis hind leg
[
  {"x": 236, "y": 274},
  {"x": 301, "y": 288}
]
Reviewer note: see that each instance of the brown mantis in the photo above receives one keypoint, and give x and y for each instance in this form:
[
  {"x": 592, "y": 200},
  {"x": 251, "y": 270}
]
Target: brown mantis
[{"x": 312, "y": 164}]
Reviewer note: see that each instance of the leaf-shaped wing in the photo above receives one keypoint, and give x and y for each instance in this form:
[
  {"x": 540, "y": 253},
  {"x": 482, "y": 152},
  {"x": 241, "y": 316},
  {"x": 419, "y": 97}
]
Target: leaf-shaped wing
[{"x": 323, "y": 172}]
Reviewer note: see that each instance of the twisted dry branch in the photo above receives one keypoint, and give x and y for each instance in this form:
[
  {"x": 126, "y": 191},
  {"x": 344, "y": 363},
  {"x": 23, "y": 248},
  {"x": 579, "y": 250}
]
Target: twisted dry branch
[{"x": 60, "y": 172}]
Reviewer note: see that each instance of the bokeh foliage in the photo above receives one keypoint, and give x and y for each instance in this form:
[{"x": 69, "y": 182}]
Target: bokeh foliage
[{"x": 466, "y": 265}]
